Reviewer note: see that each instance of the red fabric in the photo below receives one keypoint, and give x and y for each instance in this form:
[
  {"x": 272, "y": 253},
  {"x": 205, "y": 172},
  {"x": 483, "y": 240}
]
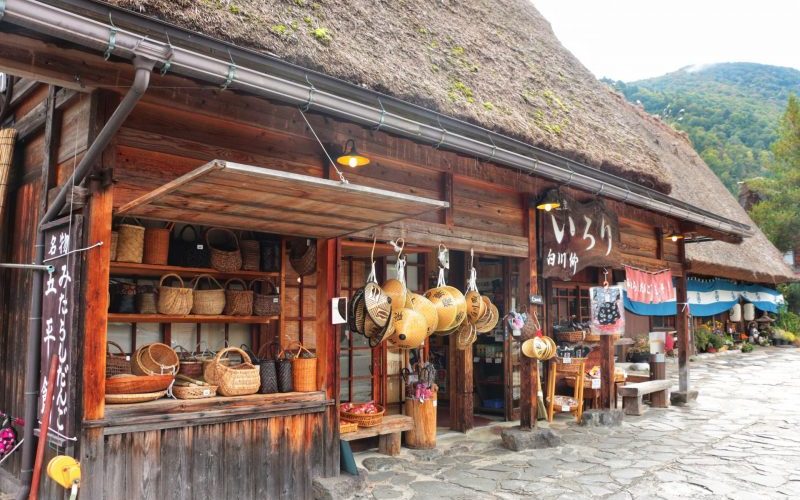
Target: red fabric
[{"x": 649, "y": 288}]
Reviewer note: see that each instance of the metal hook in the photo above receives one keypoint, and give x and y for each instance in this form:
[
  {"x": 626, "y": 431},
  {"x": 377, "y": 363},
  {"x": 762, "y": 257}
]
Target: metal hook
[
  {"x": 602, "y": 185},
  {"x": 383, "y": 115},
  {"x": 312, "y": 90},
  {"x": 494, "y": 147},
  {"x": 112, "y": 38},
  {"x": 170, "y": 54}
]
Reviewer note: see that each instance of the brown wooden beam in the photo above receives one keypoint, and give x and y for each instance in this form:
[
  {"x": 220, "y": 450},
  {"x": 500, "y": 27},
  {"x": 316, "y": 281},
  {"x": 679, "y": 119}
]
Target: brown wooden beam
[
  {"x": 33, "y": 122},
  {"x": 684, "y": 339},
  {"x": 696, "y": 229},
  {"x": 529, "y": 368}
]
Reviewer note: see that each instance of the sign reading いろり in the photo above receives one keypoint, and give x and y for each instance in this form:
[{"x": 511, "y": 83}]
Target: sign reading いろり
[
  {"x": 59, "y": 316},
  {"x": 578, "y": 235}
]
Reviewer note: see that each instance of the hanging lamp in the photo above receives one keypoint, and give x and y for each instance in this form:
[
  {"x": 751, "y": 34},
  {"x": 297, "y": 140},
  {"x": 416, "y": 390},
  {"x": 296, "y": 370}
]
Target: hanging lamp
[
  {"x": 351, "y": 157},
  {"x": 551, "y": 200}
]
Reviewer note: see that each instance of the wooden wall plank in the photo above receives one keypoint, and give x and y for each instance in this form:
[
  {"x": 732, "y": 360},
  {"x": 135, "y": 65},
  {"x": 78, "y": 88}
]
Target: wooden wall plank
[{"x": 176, "y": 452}]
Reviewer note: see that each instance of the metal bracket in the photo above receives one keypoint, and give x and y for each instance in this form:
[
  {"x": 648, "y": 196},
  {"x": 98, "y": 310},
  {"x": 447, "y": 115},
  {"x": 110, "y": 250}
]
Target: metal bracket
[
  {"x": 31, "y": 267},
  {"x": 230, "y": 77},
  {"x": 383, "y": 115},
  {"x": 112, "y": 42},
  {"x": 2, "y": 9},
  {"x": 311, "y": 91}
]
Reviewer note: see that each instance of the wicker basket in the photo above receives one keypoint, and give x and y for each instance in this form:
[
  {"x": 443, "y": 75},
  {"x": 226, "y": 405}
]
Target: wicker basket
[
  {"x": 591, "y": 337},
  {"x": 576, "y": 336},
  {"x": 155, "y": 359},
  {"x": 265, "y": 304},
  {"x": 174, "y": 300},
  {"x": 303, "y": 256},
  {"x": 238, "y": 302},
  {"x": 268, "y": 370},
  {"x": 347, "y": 427},
  {"x": 238, "y": 380},
  {"x": 364, "y": 420},
  {"x": 118, "y": 399},
  {"x": 304, "y": 370},
  {"x": 210, "y": 302},
  {"x": 194, "y": 391},
  {"x": 146, "y": 300},
  {"x": 130, "y": 243},
  {"x": 114, "y": 243},
  {"x": 156, "y": 244},
  {"x": 226, "y": 260},
  {"x": 116, "y": 364},
  {"x": 251, "y": 254}
]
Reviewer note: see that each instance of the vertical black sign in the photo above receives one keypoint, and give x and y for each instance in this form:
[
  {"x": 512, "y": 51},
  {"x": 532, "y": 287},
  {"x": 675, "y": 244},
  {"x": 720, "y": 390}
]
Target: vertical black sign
[{"x": 59, "y": 316}]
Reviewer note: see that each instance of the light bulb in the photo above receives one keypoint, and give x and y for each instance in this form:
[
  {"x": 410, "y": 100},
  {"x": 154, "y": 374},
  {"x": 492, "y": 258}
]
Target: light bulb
[
  {"x": 548, "y": 207},
  {"x": 353, "y": 161},
  {"x": 674, "y": 237}
]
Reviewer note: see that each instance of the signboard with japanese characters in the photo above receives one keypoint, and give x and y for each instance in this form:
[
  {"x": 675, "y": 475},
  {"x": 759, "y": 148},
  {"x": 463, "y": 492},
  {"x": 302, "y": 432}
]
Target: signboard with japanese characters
[
  {"x": 576, "y": 236},
  {"x": 60, "y": 293}
]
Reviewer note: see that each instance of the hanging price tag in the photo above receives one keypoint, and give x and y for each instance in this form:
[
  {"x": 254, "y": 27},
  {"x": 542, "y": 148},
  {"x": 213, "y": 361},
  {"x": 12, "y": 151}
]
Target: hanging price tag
[
  {"x": 565, "y": 408},
  {"x": 497, "y": 361},
  {"x": 567, "y": 360},
  {"x": 476, "y": 359},
  {"x": 595, "y": 383}
]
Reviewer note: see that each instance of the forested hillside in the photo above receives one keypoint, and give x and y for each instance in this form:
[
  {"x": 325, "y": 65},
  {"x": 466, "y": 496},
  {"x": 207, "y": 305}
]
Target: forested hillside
[{"x": 730, "y": 111}]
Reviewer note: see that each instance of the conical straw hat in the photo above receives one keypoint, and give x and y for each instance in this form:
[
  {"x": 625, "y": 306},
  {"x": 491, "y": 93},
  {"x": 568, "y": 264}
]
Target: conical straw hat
[
  {"x": 379, "y": 305},
  {"x": 397, "y": 291},
  {"x": 475, "y": 306},
  {"x": 356, "y": 309},
  {"x": 461, "y": 305},
  {"x": 410, "y": 329},
  {"x": 427, "y": 309},
  {"x": 446, "y": 307}
]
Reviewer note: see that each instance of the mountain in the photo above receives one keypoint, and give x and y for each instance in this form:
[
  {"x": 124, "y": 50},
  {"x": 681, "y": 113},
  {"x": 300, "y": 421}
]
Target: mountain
[{"x": 730, "y": 111}]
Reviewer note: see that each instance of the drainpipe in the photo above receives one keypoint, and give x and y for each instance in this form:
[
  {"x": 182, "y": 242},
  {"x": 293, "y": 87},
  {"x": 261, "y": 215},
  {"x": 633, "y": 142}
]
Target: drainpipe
[{"x": 140, "y": 82}]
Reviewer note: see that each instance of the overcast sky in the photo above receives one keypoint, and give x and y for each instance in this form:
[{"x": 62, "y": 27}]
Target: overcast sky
[{"x": 634, "y": 39}]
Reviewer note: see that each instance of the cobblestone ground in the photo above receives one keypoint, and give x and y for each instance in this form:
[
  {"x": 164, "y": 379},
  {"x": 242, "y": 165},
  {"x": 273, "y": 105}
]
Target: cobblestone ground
[{"x": 740, "y": 440}]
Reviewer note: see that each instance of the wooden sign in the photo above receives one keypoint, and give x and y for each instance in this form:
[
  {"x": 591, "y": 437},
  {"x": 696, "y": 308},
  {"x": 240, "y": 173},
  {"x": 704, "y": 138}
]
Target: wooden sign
[
  {"x": 576, "y": 236},
  {"x": 60, "y": 294}
]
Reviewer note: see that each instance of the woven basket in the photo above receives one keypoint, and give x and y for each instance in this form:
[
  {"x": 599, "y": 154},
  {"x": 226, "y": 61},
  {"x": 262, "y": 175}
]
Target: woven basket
[
  {"x": 146, "y": 300},
  {"x": 188, "y": 253},
  {"x": 283, "y": 367},
  {"x": 238, "y": 380},
  {"x": 155, "y": 359},
  {"x": 251, "y": 254},
  {"x": 130, "y": 243},
  {"x": 114, "y": 243},
  {"x": 364, "y": 420},
  {"x": 592, "y": 337},
  {"x": 303, "y": 256},
  {"x": 226, "y": 260},
  {"x": 190, "y": 364},
  {"x": 117, "y": 399},
  {"x": 174, "y": 300},
  {"x": 122, "y": 297},
  {"x": 156, "y": 244},
  {"x": 266, "y": 304},
  {"x": 347, "y": 427},
  {"x": 267, "y": 370},
  {"x": 116, "y": 364},
  {"x": 194, "y": 391},
  {"x": 238, "y": 302},
  {"x": 210, "y": 302},
  {"x": 576, "y": 336},
  {"x": 304, "y": 370}
]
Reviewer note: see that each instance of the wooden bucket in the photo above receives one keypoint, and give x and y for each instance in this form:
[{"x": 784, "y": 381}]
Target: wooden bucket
[{"x": 423, "y": 435}]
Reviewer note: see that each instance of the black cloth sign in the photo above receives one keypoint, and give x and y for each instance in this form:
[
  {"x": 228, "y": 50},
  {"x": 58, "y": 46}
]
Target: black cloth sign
[
  {"x": 576, "y": 236},
  {"x": 60, "y": 292}
]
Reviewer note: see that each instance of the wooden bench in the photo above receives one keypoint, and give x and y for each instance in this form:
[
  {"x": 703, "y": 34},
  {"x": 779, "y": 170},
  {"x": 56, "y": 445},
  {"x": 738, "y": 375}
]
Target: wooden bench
[
  {"x": 389, "y": 433},
  {"x": 632, "y": 395}
]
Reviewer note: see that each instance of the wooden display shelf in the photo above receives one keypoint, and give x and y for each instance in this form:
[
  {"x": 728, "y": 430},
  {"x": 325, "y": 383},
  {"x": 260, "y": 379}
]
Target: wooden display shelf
[
  {"x": 156, "y": 271},
  {"x": 190, "y": 318}
]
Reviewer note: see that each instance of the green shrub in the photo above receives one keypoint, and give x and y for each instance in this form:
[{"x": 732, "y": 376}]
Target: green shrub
[
  {"x": 716, "y": 341},
  {"x": 788, "y": 320},
  {"x": 701, "y": 335},
  {"x": 747, "y": 348}
]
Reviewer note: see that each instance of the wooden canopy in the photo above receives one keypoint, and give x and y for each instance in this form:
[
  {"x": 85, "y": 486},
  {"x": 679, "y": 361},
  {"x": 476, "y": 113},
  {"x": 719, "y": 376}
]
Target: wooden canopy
[{"x": 237, "y": 196}]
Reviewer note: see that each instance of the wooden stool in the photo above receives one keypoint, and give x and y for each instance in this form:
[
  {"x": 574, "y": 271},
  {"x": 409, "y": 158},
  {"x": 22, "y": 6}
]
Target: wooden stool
[{"x": 574, "y": 403}]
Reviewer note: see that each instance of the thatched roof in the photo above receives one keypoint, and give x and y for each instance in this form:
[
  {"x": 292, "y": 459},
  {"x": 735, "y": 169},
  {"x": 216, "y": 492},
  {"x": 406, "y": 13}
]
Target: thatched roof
[
  {"x": 756, "y": 259},
  {"x": 496, "y": 64}
]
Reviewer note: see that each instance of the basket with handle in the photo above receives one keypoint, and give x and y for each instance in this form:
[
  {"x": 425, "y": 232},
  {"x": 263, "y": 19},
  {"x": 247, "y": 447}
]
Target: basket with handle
[
  {"x": 210, "y": 301},
  {"x": 156, "y": 244},
  {"x": 174, "y": 300},
  {"x": 189, "y": 253},
  {"x": 155, "y": 359},
  {"x": 267, "y": 369},
  {"x": 283, "y": 368},
  {"x": 116, "y": 364},
  {"x": 265, "y": 304},
  {"x": 225, "y": 259},
  {"x": 130, "y": 242},
  {"x": 238, "y": 302},
  {"x": 146, "y": 300},
  {"x": 234, "y": 380},
  {"x": 303, "y": 256},
  {"x": 304, "y": 369},
  {"x": 251, "y": 253}
]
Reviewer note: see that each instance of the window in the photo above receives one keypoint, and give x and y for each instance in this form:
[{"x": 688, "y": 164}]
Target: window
[
  {"x": 568, "y": 301},
  {"x": 662, "y": 322},
  {"x": 355, "y": 354}
]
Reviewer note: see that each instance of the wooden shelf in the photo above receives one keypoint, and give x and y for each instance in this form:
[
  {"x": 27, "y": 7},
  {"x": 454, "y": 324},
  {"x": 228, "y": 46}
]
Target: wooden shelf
[
  {"x": 156, "y": 271},
  {"x": 167, "y": 318}
]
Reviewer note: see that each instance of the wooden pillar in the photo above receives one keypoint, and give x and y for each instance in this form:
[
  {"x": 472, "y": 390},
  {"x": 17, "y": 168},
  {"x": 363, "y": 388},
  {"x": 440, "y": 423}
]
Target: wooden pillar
[
  {"x": 529, "y": 368},
  {"x": 607, "y": 395},
  {"x": 684, "y": 340},
  {"x": 460, "y": 364}
]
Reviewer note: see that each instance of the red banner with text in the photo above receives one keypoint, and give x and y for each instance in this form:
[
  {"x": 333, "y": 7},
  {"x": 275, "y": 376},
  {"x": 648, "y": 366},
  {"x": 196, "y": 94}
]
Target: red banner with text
[{"x": 649, "y": 288}]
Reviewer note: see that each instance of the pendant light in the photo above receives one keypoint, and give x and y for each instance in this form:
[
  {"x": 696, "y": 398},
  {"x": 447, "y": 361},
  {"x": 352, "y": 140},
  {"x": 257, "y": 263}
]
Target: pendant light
[
  {"x": 674, "y": 236},
  {"x": 351, "y": 157},
  {"x": 551, "y": 200}
]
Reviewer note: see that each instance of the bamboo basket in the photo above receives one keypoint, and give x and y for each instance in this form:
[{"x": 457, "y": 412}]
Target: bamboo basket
[
  {"x": 130, "y": 243},
  {"x": 576, "y": 336},
  {"x": 116, "y": 399},
  {"x": 146, "y": 300},
  {"x": 238, "y": 302},
  {"x": 114, "y": 243},
  {"x": 347, "y": 427},
  {"x": 155, "y": 359},
  {"x": 116, "y": 364},
  {"x": 304, "y": 370},
  {"x": 265, "y": 304},
  {"x": 209, "y": 302},
  {"x": 303, "y": 256},
  {"x": 224, "y": 259},
  {"x": 364, "y": 420},
  {"x": 238, "y": 380},
  {"x": 174, "y": 300},
  {"x": 156, "y": 244},
  {"x": 251, "y": 254},
  {"x": 194, "y": 391}
]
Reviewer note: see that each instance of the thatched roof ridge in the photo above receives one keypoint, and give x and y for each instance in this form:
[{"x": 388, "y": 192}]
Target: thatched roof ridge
[
  {"x": 496, "y": 64},
  {"x": 756, "y": 259}
]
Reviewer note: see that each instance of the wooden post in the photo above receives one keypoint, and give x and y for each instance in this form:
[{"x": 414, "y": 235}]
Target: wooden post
[
  {"x": 684, "y": 340},
  {"x": 460, "y": 365},
  {"x": 658, "y": 371},
  {"x": 529, "y": 368},
  {"x": 607, "y": 393}
]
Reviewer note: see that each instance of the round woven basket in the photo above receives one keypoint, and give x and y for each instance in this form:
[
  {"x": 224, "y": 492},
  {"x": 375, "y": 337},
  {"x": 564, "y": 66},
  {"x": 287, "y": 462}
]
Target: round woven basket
[
  {"x": 238, "y": 302},
  {"x": 209, "y": 302},
  {"x": 225, "y": 259},
  {"x": 155, "y": 359},
  {"x": 364, "y": 420},
  {"x": 303, "y": 256},
  {"x": 265, "y": 304},
  {"x": 194, "y": 391},
  {"x": 174, "y": 300},
  {"x": 237, "y": 380},
  {"x": 130, "y": 243},
  {"x": 117, "y": 399},
  {"x": 304, "y": 370},
  {"x": 156, "y": 244},
  {"x": 116, "y": 364}
]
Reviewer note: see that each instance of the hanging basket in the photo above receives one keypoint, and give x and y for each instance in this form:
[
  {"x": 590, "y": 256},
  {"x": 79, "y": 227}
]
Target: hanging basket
[
  {"x": 130, "y": 243},
  {"x": 156, "y": 244},
  {"x": 155, "y": 359},
  {"x": 304, "y": 369},
  {"x": 175, "y": 301},
  {"x": 265, "y": 304},
  {"x": 237, "y": 380},
  {"x": 238, "y": 302},
  {"x": 303, "y": 256},
  {"x": 116, "y": 364},
  {"x": 251, "y": 254},
  {"x": 208, "y": 302},
  {"x": 225, "y": 259}
]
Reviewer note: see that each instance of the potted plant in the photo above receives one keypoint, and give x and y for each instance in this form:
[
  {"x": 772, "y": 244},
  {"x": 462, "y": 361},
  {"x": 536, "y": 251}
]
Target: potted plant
[
  {"x": 747, "y": 347},
  {"x": 639, "y": 352},
  {"x": 701, "y": 336},
  {"x": 716, "y": 343}
]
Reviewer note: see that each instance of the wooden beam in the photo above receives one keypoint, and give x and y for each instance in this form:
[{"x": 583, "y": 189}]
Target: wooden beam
[
  {"x": 697, "y": 229},
  {"x": 684, "y": 339},
  {"x": 33, "y": 122},
  {"x": 52, "y": 131},
  {"x": 529, "y": 369}
]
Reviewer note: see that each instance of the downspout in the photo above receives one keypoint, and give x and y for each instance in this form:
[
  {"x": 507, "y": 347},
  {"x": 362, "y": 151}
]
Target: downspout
[{"x": 32, "y": 359}]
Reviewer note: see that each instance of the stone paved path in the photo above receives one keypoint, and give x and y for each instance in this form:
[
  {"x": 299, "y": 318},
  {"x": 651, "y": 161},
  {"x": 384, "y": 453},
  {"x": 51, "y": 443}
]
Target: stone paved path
[{"x": 740, "y": 440}]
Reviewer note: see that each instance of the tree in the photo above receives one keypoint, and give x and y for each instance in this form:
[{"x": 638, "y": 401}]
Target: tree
[{"x": 778, "y": 215}]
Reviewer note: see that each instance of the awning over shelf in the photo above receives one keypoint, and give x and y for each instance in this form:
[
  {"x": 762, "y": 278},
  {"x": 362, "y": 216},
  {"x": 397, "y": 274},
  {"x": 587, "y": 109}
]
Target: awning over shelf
[{"x": 246, "y": 197}]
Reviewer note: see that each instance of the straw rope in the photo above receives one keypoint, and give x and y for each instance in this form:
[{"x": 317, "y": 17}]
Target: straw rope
[{"x": 7, "y": 138}]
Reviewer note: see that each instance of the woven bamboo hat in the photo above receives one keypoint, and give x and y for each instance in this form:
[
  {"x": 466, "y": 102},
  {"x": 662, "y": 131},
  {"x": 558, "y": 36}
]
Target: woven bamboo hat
[
  {"x": 378, "y": 304},
  {"x": 427, "y": 309},
  {"x": 446, "y": 307},
  {"x": 397, "y": 291},
  {"x": 535, "y": 348},
  {"x": 357, "y": 311},
  {"x": 461, "y": 305},
  {"x": 475, "y": 306},
  {"x": 410, "y": 329}
]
